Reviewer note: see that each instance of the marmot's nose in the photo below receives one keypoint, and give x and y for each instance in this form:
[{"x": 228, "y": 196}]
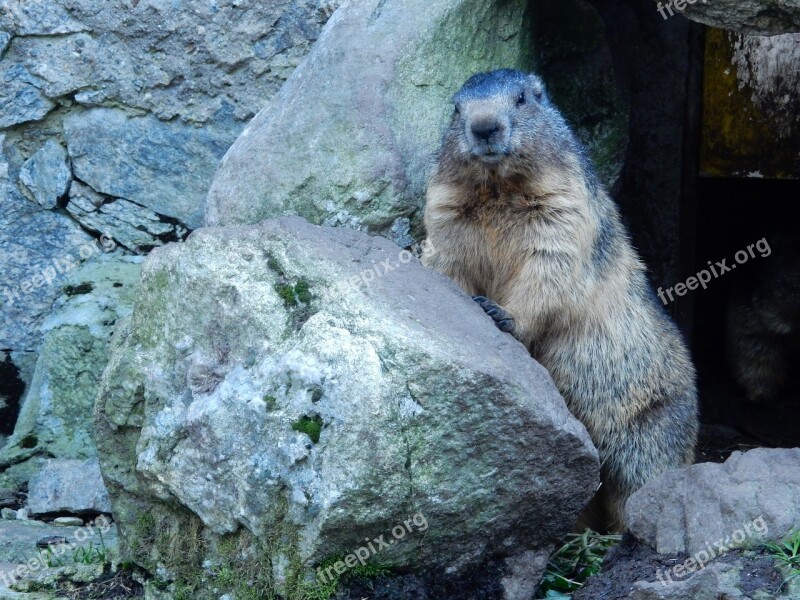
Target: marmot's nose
[{"x": 484, "y": 129}]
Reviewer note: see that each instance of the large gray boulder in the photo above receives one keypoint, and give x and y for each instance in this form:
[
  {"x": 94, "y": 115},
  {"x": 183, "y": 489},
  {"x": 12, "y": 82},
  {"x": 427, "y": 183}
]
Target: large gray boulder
[
  {"x": 294, "y": 390},
  {"x": 753, "y": 497},
  {"x": 349, "y": 138}
]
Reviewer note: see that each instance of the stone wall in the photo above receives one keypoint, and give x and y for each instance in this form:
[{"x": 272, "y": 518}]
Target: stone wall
[{"x": 113, "y": 117}]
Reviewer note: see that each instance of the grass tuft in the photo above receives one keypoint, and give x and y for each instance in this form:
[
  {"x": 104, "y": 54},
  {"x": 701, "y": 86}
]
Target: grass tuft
[
  {"x": 572, "y": 564},
  {"x": 787, "y": 553}
]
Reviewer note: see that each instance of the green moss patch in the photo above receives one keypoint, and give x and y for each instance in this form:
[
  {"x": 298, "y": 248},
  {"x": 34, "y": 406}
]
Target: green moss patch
[
  {"x": 295, "y": 295},
  {"x": 311, "y": 426}
]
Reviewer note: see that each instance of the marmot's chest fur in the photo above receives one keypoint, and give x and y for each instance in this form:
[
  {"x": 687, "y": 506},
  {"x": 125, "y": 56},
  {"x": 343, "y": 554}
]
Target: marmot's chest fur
[{"x": 513, "y": 230}]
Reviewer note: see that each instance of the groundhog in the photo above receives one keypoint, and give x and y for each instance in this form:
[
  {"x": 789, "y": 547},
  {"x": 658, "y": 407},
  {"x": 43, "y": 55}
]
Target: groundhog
[{"x": 516, "y": 216}]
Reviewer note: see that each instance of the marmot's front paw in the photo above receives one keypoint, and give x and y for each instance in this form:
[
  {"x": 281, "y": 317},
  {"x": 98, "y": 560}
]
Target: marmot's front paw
[{"x": 503, "y": 320}]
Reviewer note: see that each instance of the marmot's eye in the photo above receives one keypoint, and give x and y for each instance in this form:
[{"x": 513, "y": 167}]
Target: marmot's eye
[{"x": 521, "y": 99}]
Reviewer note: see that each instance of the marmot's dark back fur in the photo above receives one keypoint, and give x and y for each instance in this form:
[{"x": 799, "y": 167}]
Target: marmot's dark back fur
[{"x": 516, "y": 216}]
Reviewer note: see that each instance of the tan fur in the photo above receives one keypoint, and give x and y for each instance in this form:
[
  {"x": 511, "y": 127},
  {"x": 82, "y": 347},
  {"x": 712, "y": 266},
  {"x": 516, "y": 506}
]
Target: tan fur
[{"x": 525, "y": 233}]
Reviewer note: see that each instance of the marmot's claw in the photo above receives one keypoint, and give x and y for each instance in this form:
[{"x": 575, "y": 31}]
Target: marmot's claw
[
  {"x": 506, "y": 325},
  {"x": 503, "y": 320}
]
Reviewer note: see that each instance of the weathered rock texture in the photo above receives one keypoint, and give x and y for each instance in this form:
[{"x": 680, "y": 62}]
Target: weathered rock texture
[
  {"x": 46, "y": 174},
  {"x": 144, "y": 97},
  {"x": 55, "y": 417},
  {"x": 135, "y": 227},
  {"x": 36, "y": 245},
  {"x": 753, "y": 497},
  {"x": 71, "y": 486},
  {"x": 153, "y": 92},
  {"x": 760, "y": 17},
  {"x": 751, "y": 103},
  {"x": 349, "y": 138},
  {"x": 263, "y": 385}
]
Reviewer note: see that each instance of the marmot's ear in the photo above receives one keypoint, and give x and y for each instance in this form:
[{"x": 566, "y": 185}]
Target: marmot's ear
[{"x": 537, "y": 85}]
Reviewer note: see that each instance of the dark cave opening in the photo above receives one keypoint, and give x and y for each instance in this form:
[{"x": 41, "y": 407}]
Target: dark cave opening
[
  {"x": 747, "y": 318},
  {"x": 11, "y": 390}
]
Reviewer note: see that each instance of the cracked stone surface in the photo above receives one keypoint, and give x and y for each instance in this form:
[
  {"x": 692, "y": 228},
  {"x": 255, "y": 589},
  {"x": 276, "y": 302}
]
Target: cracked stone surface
[
  {"x": 164, "y": 166},
  {"x": 185, "y": 60},
  {"x": 134, "y": 227},
  {"x": 147, "y": 95},
  {"x": 37, "y": 246},
  {"x": 243, "y": 338},
  {"x": 46, "y": 174}
]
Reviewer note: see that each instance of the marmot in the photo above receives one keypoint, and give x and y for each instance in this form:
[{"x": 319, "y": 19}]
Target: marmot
[{"x": 516, "y": 216}]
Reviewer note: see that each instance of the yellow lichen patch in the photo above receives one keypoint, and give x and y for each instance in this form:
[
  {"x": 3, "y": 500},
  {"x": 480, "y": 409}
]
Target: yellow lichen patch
[{"x": 740, "y": 139}]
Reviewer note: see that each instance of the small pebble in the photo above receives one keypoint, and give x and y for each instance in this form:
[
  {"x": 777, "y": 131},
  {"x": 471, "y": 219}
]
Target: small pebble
[
  {"x": 8, "y": 514},
  {"x": 23, "y": 514},
  {"x": 68, "y": 522}
]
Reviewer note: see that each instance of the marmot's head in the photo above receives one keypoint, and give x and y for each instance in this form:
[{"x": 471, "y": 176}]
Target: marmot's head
[{"x": 504, "y": 121}]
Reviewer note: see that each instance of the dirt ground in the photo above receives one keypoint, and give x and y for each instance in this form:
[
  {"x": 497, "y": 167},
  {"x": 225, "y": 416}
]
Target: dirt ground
[{"x": 631, "y": 562}]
